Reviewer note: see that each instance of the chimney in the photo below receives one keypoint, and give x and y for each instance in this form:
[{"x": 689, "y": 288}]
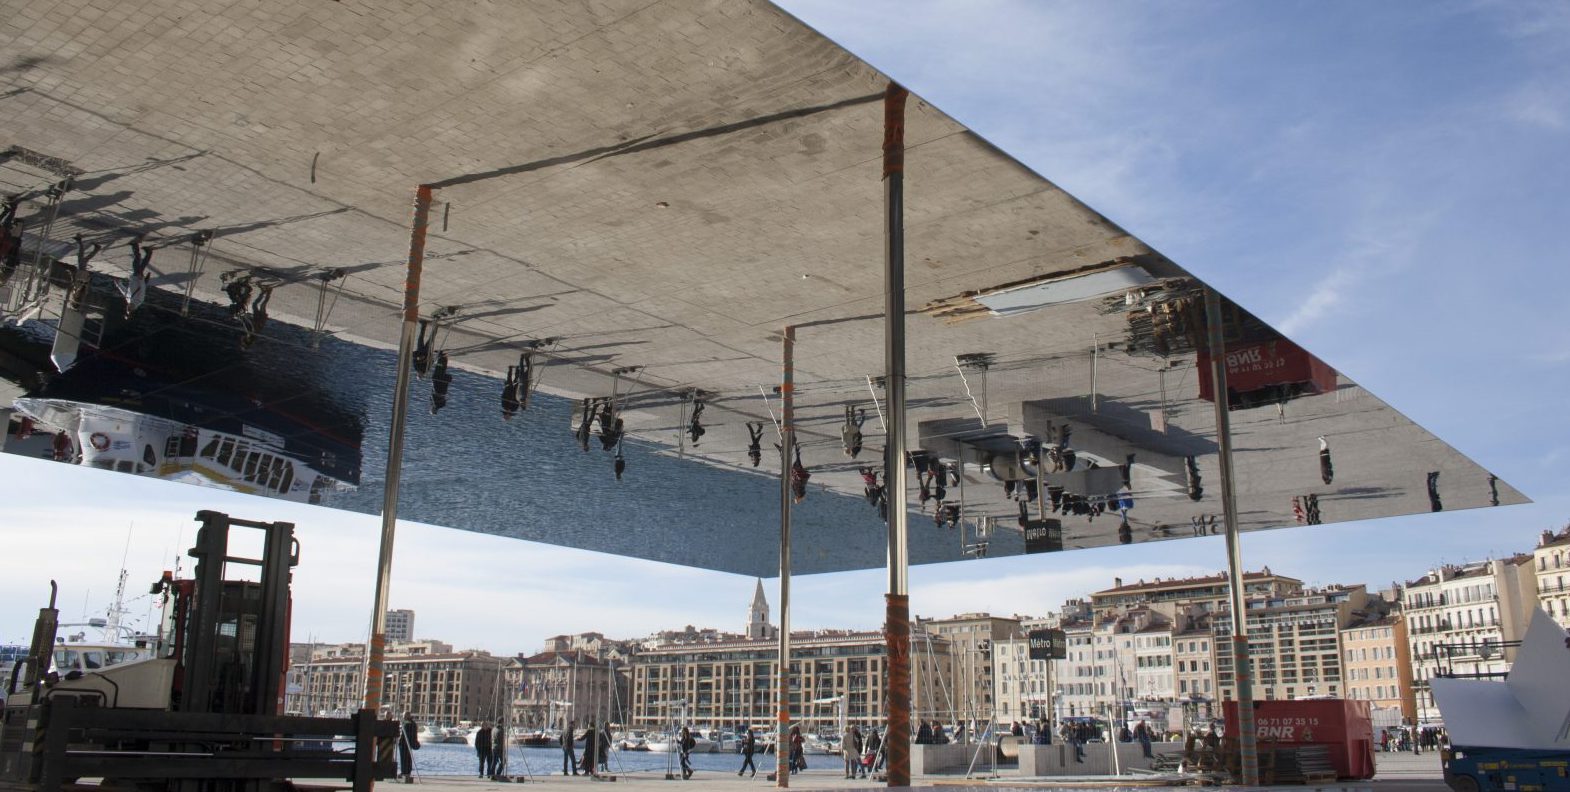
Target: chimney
[
  {"x": 1117, "y": 582},
  {"x": 1548, "y": 536}
]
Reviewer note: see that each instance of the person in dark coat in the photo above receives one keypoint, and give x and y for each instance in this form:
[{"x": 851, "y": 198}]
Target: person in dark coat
[
  {"x": 569, "y": 760},
  {"x": 422, "y": 346},
  {"x": 755, "y": 445},
  {"x": 686, "y": 744},
  {"x": 798, "y": 750},
  {"x": 591, "y": 738},
  {"x": 1142, "y": 735},
  {"x": 924, "y": 734},
  {"x": 482, "y": 748},
  {"x": 874, "y": 749},
  {"x": 408, "y": 743},
  {"x": 749, "y": 746}
]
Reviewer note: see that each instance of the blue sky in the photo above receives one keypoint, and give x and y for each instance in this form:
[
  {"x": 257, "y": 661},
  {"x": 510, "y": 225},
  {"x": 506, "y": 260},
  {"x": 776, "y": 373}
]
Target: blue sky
[{"x": 1385, "y": 181}]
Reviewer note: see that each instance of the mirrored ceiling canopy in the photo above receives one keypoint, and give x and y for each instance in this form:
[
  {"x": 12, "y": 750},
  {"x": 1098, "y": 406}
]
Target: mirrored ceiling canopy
[{"x": 633, "y": 201}]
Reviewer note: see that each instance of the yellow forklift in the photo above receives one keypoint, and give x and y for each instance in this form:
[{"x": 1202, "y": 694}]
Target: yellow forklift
[{"x": 205, "y": 712}]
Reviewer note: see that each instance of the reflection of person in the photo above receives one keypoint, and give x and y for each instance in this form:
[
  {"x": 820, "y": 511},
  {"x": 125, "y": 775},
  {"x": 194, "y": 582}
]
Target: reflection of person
[
  {"x": 408, "y": 742},
  {"x": 755, "y": 445},
  {"x": 510, "y": 401},
  {"x": 253, "y": 322},
  {"x": 850, "y": 432},
  {"x": 525, "y": 373},
  {"x": 10, "y": 240},
  {"x": 686, "y": 745},
  {"x": 441, "y": 380},
  {"x": 620, "y": 465},
  {"x": 586, "y": 424},
  {"x": 136, "y": 285},
  {"x": 749, "y": 746},
  {"x": 569, "y": 761},
  {"x": 64, "y": 450},
  {"x": 695, "y": 429},
  {"x": 422, "y": 349},
  {"x": 798, "y": 478}
]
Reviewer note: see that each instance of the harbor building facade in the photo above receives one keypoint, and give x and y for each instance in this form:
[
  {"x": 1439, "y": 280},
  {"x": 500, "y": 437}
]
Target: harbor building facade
[
  {"x": 1551, "y": 563},
  {"x": 1467, "y": 620},
  {"x": 444, "y": 688},
  {"x": 400, "y": 626},
  {"x": 731, "y": 681},
  {"x": 1378, "y": 663},
  {"x": 553, "y": 687},
  {"x": 971, "y": 637},
  {"x": 1293, "y": 642}
]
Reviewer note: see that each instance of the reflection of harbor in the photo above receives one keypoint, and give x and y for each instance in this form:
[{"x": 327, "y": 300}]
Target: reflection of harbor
[
  {"x": 163, "y": 395},
  {"x": 255, "y": 462}
]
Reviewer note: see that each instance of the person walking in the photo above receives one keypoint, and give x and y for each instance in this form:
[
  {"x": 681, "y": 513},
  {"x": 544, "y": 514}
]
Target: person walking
[
  {"x": 408, "y": 742},
  {"x": 749, "y": 746},
  {"x": 1142, "y": 734},
  {"x": 569, "y": 760},
  {"x": 850, "y": 749},
  {"x": 482, "y": 748},
  {"x": 136, "y": 285},
  {"x": 874, "y": 751},
  {"x": 798, "y": 748},
  {"x": 686, "y": 744}
]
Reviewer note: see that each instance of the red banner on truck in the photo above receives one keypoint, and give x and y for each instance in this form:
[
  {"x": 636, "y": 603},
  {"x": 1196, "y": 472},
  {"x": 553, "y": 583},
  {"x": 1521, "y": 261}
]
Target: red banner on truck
[{"x": 1277, "y": 367}]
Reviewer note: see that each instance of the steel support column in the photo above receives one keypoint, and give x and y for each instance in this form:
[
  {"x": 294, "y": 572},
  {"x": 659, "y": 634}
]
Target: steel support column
[
  {"x": 1241, "y": 671},
  {"x": 376, "y": 649},
  {"x": 782, "y": 747},
  {"x": 896, "y": 628}
]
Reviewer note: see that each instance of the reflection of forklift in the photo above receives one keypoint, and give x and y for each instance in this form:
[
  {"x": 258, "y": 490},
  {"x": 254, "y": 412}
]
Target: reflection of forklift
[{"x": 204, "y": 713}]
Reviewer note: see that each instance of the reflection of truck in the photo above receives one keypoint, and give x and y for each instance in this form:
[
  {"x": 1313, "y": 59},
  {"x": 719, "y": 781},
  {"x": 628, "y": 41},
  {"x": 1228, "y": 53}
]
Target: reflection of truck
[{"x": 206, "y": 706}]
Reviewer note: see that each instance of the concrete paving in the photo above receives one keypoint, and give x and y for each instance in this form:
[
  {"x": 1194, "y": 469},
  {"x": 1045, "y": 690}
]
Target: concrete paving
[
  {"x": 665, "y": 186},
  {"x": 1396, "y": 772}
]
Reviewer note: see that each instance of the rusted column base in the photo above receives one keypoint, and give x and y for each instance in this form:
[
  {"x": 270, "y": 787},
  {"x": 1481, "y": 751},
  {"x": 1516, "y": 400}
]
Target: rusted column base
[{"x": 896, "y": 743}]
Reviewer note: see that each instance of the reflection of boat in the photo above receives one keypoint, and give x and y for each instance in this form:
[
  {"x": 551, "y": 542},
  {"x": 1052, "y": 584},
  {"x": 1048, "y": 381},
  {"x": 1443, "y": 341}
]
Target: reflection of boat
[{"x": 253, "y": 461}]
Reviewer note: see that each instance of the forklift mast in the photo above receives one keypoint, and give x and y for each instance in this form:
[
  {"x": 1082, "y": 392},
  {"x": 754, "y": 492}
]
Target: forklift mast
[{"x": 231, "y": 638}]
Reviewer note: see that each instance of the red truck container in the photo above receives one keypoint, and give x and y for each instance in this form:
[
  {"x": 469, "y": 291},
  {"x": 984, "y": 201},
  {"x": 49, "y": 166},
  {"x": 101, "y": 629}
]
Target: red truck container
[{"x": 1345, "y": 727}]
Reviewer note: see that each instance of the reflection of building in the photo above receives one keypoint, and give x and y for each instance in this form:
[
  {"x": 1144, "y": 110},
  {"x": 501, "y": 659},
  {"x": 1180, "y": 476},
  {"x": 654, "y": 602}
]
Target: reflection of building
[
  {"x": 1551, "y": 562},
  {"x": 1466, "y": 620},
  {"x": 438, "y": 687},
  {"x": 972, "y": 636},
  {"x": 556, "y": 686},
  {"x": 1377, "y": 664},
  {"x": 400, "y": 626}
]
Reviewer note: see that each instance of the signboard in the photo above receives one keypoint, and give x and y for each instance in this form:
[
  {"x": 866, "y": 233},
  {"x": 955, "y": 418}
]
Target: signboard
[
  {"x": 1047, "y": 644},
  {"x": 1043, "y": 536}
]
